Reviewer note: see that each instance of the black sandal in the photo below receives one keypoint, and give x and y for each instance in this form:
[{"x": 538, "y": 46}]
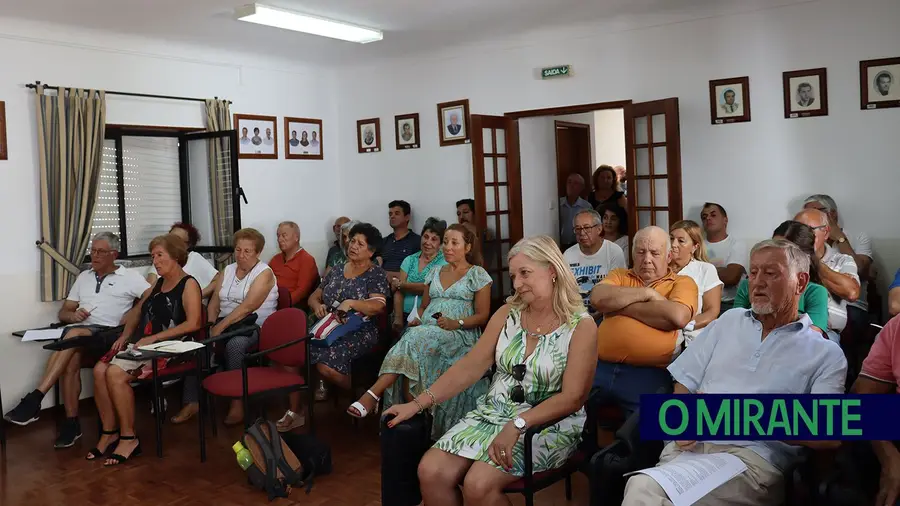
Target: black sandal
[
  {"x": 95, "y": 453},
  {"x": 119, "y": 459}
]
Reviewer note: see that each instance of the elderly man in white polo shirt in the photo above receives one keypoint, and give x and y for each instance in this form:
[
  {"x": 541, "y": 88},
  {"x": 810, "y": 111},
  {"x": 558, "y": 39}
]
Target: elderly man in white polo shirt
[
  {"x": 768, "y": 349},
  {"x": 96, "y": 306},
  {"x": 837, "y": 271}
]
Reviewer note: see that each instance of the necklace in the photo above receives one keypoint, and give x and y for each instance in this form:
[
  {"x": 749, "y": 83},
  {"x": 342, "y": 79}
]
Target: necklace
[{"x": 538, "y": 331}]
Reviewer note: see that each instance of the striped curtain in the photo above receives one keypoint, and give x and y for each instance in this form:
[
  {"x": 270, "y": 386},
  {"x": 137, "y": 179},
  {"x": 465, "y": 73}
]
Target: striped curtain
[
  {"x": 71, "y": 126},
  {"x": 218, "y": 118}
]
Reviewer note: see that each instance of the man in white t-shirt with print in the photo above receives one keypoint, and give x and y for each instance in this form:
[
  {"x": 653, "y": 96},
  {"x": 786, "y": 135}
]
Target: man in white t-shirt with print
[
  {"x": 96, "y": 306},
  {"x": 593, "y": 257},
  {"x": 837, "y": 272},
  {"x": 729, "y": 255}
]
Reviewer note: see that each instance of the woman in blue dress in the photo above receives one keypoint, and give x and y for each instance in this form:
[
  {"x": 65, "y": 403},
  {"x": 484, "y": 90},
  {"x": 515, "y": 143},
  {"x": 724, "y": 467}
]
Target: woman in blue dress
[
  {"x": 415, "y": 271},
  {"x": 454, "y": 309}
]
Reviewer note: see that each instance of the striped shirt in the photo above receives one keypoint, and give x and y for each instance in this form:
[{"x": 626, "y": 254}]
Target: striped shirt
[{"x": 394, "y": 250}]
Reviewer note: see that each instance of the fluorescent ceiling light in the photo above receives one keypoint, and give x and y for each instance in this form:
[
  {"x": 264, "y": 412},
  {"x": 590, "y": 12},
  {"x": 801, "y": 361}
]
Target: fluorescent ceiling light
[{"x": 290, "y": 20}]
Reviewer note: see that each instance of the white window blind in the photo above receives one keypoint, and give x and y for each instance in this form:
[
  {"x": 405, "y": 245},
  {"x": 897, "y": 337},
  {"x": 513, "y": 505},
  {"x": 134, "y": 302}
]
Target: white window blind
[{"x": 106, "y": 209}]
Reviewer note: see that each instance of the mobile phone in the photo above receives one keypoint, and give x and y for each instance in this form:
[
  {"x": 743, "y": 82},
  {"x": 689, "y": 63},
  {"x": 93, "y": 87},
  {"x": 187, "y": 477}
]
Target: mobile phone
[{"x": 437, "y": 315}]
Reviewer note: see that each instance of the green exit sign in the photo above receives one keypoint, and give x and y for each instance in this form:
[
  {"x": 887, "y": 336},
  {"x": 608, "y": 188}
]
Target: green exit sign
[{"x": 557, "y": 71}]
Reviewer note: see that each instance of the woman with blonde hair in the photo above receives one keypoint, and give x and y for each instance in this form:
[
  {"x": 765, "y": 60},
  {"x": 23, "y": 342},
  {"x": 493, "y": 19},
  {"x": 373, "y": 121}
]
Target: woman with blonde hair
[
  {"x": 544, "y": 345},
  {"x": 688, "y": 258}
]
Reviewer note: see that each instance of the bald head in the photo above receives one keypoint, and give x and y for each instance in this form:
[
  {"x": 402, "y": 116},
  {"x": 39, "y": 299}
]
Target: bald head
[
  {"x": 574, "y": 186},
  {"x": 818, "y": 221},
  {"x": 651, "y": 253}
]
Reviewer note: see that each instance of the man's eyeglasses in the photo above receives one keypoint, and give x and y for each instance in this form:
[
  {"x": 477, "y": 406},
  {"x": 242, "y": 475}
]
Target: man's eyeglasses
[
  {"x": 584, "y": 230},
  {"x": 100, "y": 252},
  {"x": 517, "y": 393}
]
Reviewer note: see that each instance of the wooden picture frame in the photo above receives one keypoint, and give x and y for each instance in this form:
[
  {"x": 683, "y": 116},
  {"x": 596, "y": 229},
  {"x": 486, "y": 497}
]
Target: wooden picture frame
[
  {"x": 368, "y": 135},
  {"x": 738, "y": 110},
  {"x": 4, "y": 150},
  {"x": 805, "y": 93},
  {"x": 257, "y": 146},
  {"x": 407, "y": 138},
  {"x": 451, "y": 129},
  {"x": 879, "y": 83},
  {"x": 303, "y": 139}
]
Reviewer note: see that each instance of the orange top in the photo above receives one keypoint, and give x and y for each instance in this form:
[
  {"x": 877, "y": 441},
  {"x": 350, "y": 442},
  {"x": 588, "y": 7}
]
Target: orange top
[
  {"x": 622, "y": 339},
  {"x": 299, "y": 275}
]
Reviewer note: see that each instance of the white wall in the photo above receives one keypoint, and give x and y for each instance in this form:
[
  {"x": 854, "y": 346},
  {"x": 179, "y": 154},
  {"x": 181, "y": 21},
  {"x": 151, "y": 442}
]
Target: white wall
[
  {"x": 757, "y": 170},
  {"x": 277, "y": 190},
  {"x": 609, "y": 137}
]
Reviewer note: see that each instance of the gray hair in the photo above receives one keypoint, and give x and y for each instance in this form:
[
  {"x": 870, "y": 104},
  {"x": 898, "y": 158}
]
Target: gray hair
[
  {"x": 798, "y": 260},
  {"x": 646, "y": 232},
  {"x": 291, "y": 224},
  {"x": 109, "y": 237},
  {"x": 824, "y": 200},
  {"x": 350, "y": 224},
  {"x": 598, "y": 220}
]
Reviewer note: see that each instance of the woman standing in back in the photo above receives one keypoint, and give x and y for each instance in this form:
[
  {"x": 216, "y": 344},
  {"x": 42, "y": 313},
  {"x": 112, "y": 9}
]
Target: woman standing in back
[{"x": 606, "y": 188}]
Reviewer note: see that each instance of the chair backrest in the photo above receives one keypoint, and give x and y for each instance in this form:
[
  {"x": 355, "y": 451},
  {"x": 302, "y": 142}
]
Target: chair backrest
[
  {"x": 283, "y": 326},
  {"x": 284, "y": 298}
]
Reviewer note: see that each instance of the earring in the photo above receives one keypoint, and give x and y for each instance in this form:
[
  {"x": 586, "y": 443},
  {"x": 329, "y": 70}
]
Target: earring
[{"x": 553, "y": 279}]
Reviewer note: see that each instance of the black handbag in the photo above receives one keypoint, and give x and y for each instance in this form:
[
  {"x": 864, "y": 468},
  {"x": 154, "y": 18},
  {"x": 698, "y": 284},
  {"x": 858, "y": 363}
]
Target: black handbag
[{"x": 402, "y": 447}]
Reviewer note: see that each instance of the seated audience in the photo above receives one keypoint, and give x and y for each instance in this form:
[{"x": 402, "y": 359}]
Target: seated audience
[
  {"x": 814, "y": 299},
  {"x": 894, "y": 296},
  {"x": 345, "y": 240},
  {"x": 416, "y": 271},
  {"x": 615, "y": 228},
  {"x": 294, "y": 268},
  {"x": 96, "y": 306},
  {"x": 246, "y": 287},
  {"x": 172, "y": 310},
  {"x": 455, "y": 307},
  {"x": 197, "y": 267},
  {"x": 727, "y": 358},
  {"x": 644, "y": 309},
  {"x": 542, "y": 342},
  {"x": 881, "y": 375},
  {"x": 569, "y": 206},
  {"x": 400, "y": 244},
  {"x": 688, "y": 258},
  {"x": 836, "y": 270},
  {"x": 336, "y": 251},
  {"x": 465, "y": 215},
  {"x": 606, "y": 188},
  {"x": 858, "y": 246},
  {"x": 359, "y": 285},
  {"x": 593, "y": 257},
  {"x": 728, "y": 254}
]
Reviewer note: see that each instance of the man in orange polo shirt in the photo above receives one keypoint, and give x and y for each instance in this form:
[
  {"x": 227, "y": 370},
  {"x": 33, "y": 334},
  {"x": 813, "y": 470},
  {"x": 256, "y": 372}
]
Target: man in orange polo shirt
[
  {"x": 294, "y": 268},
  {"x": 644, "y": 308}
]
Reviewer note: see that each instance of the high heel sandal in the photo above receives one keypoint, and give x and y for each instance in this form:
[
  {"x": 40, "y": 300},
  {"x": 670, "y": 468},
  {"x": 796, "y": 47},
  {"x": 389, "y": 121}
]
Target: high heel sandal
[
  {"x": 95, "y": 453},
  {"x": 120, "y": 459},
  {"x": 363, "y": 412}
]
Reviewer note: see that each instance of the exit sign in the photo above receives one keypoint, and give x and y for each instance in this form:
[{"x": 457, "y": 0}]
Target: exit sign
[{"x": 557, "y": 71}]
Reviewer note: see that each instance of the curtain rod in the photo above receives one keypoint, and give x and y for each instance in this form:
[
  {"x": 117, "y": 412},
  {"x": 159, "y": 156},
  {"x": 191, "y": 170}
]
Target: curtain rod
[{"x": 128, "y": 94}]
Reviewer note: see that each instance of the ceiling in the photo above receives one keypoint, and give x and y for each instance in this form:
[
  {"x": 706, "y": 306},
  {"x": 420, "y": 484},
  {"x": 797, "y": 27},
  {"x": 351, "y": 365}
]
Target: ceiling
[{"x": 409, "y": 25}]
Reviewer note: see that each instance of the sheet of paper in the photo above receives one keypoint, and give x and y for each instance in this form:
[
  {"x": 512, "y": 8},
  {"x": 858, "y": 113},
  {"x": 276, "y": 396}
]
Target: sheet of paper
[
  {"x": 173, "y": 346},
  {"x": 42, "y": 335},
  {"x": 690, "y": 476},
  {"x": 415, "y": 312}
]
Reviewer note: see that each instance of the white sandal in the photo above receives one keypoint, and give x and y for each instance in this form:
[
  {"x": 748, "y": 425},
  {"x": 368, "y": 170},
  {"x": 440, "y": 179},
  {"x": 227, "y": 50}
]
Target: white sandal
[
  {"x": 291, "y": 421},
  {"x": 363, "y": 412}
]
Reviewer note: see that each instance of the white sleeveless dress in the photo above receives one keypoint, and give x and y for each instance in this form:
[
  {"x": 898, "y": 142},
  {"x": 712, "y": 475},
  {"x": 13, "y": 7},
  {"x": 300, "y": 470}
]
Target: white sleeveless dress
[{"x": 234, "y": 291}]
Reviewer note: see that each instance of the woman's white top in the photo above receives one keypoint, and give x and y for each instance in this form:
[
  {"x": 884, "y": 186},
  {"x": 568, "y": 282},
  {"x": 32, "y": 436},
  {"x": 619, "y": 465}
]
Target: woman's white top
[
  {"x": 234, "y": 291},
  {"x": 622, "y": 242},
  {"x": 706, "y": 277},
  {"x": 199, "y": 268}
]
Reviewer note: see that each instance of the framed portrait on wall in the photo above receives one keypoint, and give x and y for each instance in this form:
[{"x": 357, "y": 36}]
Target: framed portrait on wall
[
  {"x": 453, "y": 122},
  {"x": 406, "y": 131},
  {"x": 805, "y": 93},
  {"x": 257, "y": 136},
  {"x": 4, "y": 150},
  {"x": 878, "y": 83},
  {"x": 303, "y": 139},
  {"x": 368, "y": 135},
  {"x": 729, "y": 100}
]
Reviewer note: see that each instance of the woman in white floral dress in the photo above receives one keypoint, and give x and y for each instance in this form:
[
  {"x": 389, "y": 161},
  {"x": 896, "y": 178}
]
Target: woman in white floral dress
[{"x": 545, "y": 348}]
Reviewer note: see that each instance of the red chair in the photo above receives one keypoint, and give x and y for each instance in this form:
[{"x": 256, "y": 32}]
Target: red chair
[
  {"x": 284, "y": 298},
  {"x": 282, "y": 339}
]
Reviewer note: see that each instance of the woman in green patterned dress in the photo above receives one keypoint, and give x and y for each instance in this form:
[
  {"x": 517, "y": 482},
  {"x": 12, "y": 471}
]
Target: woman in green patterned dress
[
  {"x": 415, "y": 272},
  {"x": 455, "y": 306},
  {"x": 545, "y": 347}
]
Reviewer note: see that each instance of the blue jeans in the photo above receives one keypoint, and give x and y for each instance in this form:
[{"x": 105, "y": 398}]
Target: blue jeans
[{"x": 623, "y": 384}]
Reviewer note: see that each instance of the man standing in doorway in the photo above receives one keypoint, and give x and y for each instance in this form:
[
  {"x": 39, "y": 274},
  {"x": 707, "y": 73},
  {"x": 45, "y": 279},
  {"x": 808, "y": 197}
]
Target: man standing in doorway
[
  {"x": 725, "y": 252},
  {"x": 569, "y": 206}
]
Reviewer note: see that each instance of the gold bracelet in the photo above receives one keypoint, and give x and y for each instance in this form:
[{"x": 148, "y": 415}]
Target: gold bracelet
[
  {"x": 421, "y": 409},
  {"x": 431, "y": 394}
]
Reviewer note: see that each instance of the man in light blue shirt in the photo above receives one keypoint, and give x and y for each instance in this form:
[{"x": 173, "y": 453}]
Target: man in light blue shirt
[
  {"x": 769, "y": 349},
  {"x": 569, "y": 207}
]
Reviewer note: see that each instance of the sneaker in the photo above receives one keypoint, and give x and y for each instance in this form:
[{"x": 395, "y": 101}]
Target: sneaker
[
  {"x": 27, "y": 411},
  {"x": 69, "y": 432}
]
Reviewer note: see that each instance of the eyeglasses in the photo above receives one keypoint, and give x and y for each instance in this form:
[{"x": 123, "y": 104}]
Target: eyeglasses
[
  {"x": 100, "y": 252},
  {"x": 517, "y": 393},
  {"x": 584, "y": 230}
]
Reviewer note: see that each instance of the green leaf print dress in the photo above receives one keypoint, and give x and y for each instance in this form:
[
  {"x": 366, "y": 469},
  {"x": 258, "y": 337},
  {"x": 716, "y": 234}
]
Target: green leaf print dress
[{"x": 472, "y": 436}]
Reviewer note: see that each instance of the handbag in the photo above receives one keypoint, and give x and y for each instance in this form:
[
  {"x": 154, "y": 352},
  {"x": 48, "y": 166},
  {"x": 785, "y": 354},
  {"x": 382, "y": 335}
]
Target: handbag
[{"x": 332, "y": 327}]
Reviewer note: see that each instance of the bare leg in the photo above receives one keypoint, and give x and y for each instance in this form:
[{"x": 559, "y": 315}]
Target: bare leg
[
  {"x": 483, "y": 485},
  {"x": 332, "y": 376},
  {"x": 235, "y": 412},
  {"x": 71, "y": 385},
  {"x": 118, "y": 383},
  {"x": 293, "y": 397},
  {"x": 59, "y": 362},
  {"x": 440, "y": 474},
  {"x": 104, "y": 406},
  {"x": 369, "y": 402}
]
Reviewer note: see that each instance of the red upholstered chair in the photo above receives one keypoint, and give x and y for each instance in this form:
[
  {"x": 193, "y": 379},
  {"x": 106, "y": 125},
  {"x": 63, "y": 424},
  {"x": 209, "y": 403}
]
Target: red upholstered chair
[
  {"x": 282, "y": 339},
  {"x": 284, "y": 298}
]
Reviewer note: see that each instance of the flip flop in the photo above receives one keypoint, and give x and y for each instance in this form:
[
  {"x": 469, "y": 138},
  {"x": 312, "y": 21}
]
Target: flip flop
[{"x": 363, "y": 412}]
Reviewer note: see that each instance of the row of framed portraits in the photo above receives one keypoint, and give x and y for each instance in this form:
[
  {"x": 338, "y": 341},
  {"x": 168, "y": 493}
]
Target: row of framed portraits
[
  {"x": 806, "y": 92},
  {"x": 258, "y": 137},
  {"x": 453, "y": 128}
]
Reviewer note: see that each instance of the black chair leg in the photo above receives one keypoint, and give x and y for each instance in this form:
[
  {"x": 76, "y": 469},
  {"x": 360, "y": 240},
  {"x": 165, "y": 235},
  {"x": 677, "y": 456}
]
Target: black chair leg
[
  {"x": 569, "y": 487},
  {"x": 529, "y": 498},
  {"x": 157, "y": 408},
  {"x": 201, "y": 422},
  {"x": 211, "y": 403}
]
